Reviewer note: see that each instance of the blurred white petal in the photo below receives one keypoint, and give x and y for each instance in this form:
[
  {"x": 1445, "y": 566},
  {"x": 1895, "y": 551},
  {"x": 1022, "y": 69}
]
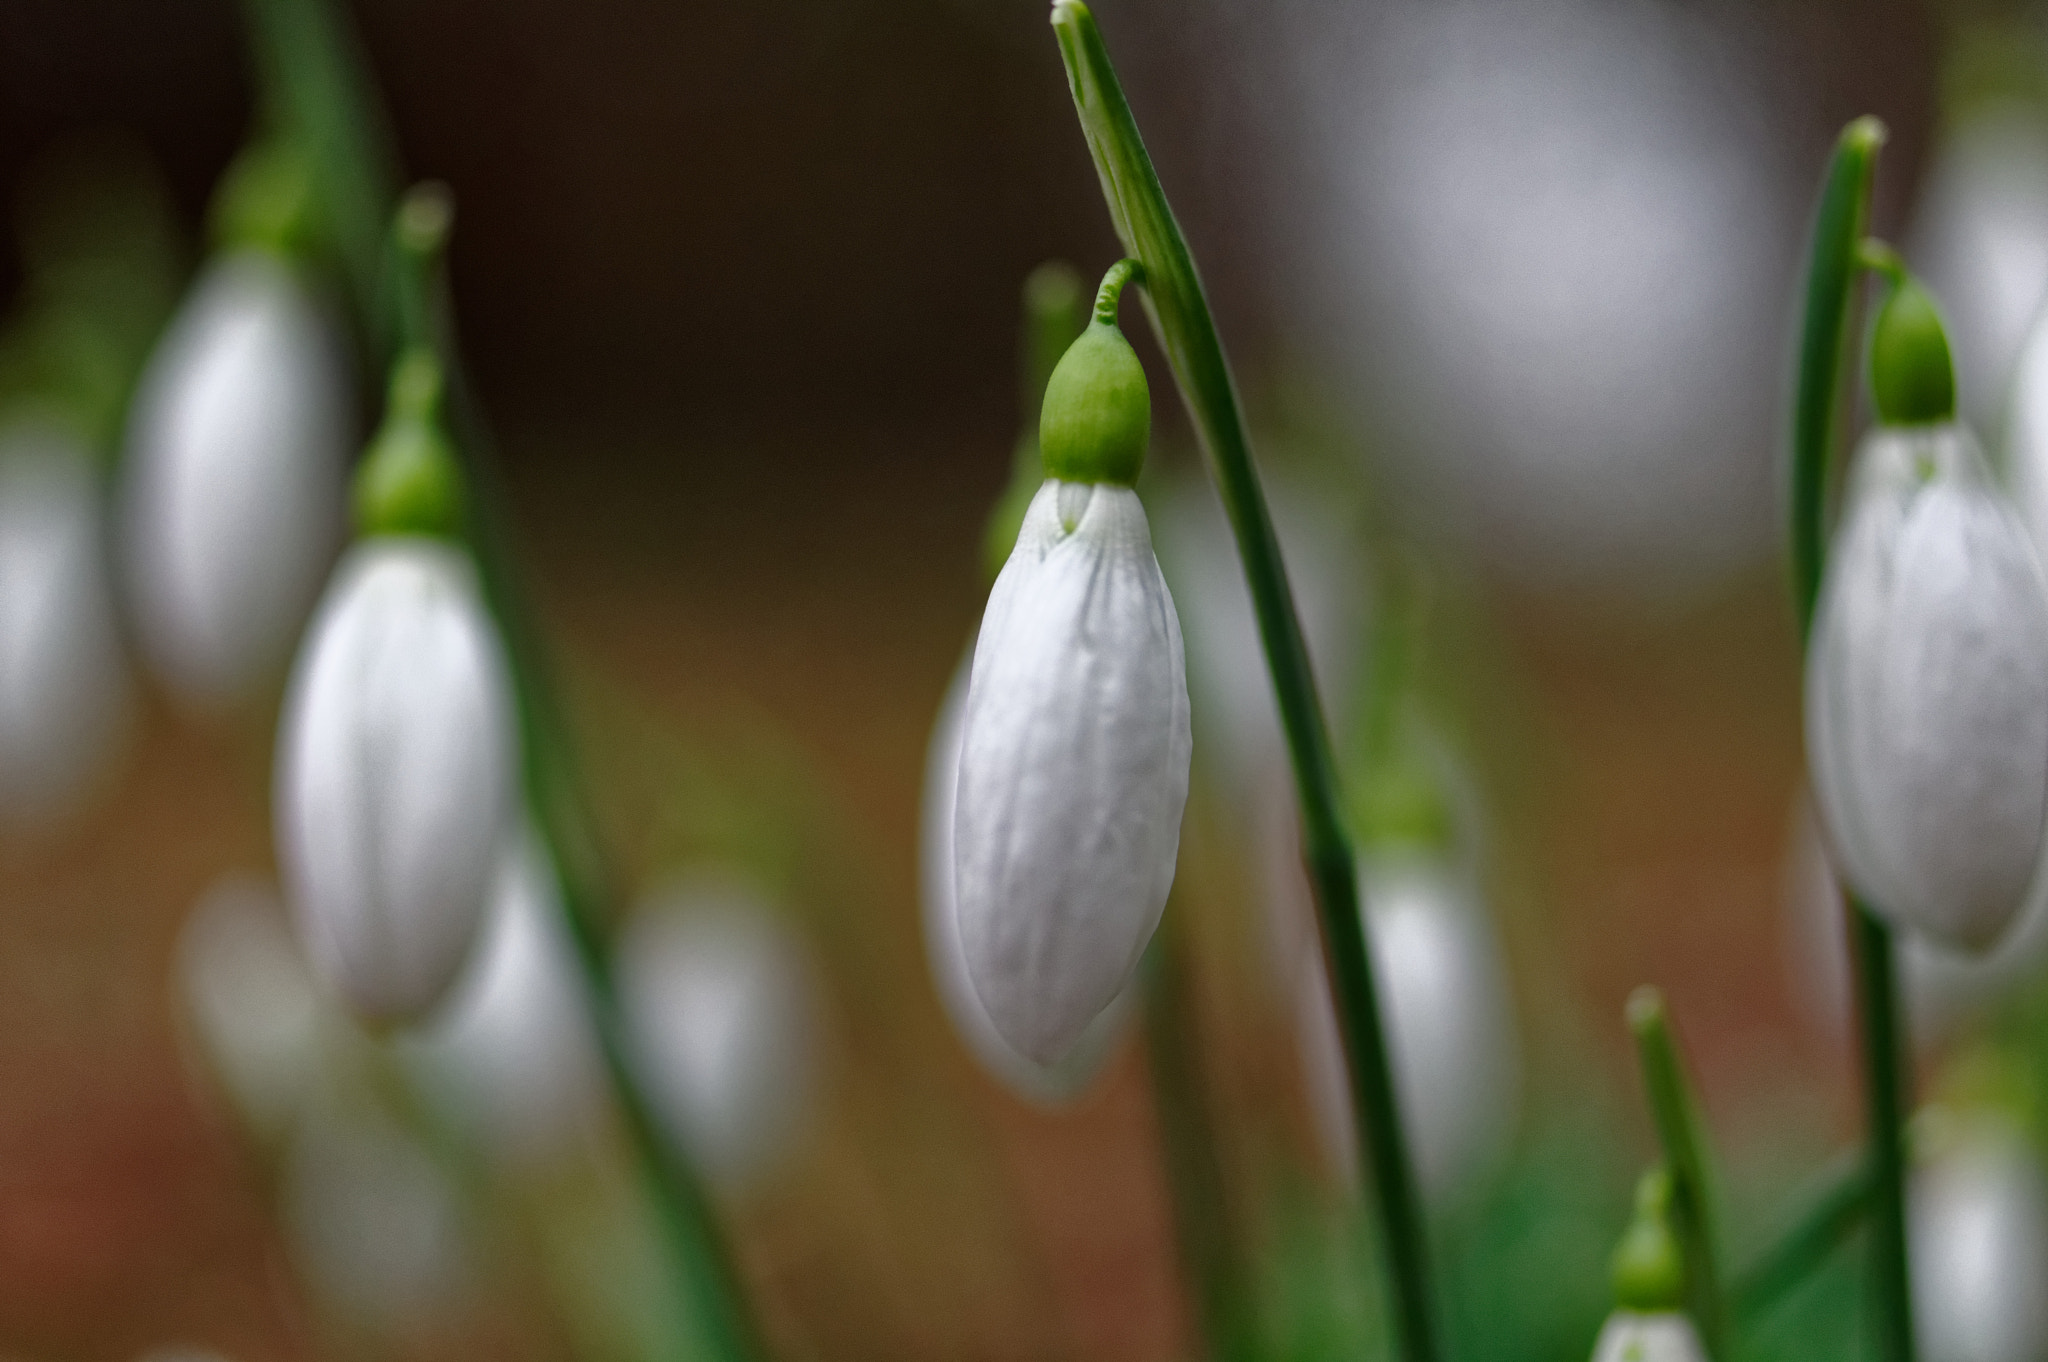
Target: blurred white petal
[{"x": 1979, "y": 1221}]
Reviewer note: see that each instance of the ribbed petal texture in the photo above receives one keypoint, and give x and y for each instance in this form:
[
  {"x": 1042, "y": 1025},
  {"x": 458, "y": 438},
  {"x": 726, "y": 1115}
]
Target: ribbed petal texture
[
  {"x": 237, "y": 446},
  {"x": 1073, "y": 768},
  {"x": 396, "y": 766},
  {"x": 1927, "y": 691}
]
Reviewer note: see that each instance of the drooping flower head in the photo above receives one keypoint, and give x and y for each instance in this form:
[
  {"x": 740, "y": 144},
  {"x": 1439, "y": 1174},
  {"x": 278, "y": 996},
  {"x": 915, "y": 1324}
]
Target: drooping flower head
[
  {"x": 1649, "y": 1323},
  {"x": 1927, "y": 678},
  {"x": 1075, "y": 748}
]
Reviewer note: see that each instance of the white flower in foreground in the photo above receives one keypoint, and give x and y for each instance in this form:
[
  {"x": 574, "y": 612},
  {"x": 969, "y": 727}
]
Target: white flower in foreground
[
  {"x": 1979, "y": 1220},
  {"x": 1450, "y": 1027},
  {"x": 238, "y": 443},
  {"x": 1073, "y": 768},
  {"x": 251, "y": 1001},
  {"x": 1652, "y": 1336},
  {"x": 718, "y": 1001},
  {"x": 396, "y": 768},
  {"x": 512, "y": 1049},
  {"x": 63, "y": 681},
  {"x": 1927, "y": 689},
  {"x": 1046, "y": 1085}
]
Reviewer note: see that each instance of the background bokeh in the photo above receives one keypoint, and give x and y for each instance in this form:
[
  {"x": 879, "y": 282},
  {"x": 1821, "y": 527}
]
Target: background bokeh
[{"x": 739, "y": 286}]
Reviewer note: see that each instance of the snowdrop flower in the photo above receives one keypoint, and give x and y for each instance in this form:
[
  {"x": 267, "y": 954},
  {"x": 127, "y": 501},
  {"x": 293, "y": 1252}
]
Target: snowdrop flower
[
  {"x": 1927, "y": 676},
  {"x": 1044, "y": 1085},
  {"x": 512, "y": 1049},
  {"x": 252, "y": 1003},
  {"x": 63, "y": 681},
  {"x": 719, "y": 1008},
  {"x": 1450, "y": 1025},
  {"x": 1075, "y": 747},
  {"x": 238, "y": 441},
  {"x": 1648, "y": 1323},
  {"x": 1979, "y": 1224}
]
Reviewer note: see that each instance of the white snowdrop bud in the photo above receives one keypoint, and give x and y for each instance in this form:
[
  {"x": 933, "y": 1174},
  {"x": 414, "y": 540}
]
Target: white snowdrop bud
[
  {"x": 1045, "y": 1085},
  {"x": 396, "y": 768},
  {"x": 511, "y": 1049},
  {"x": 233, "y": 499},
  {"x": 1979, "y": 1219},
  {"x": 1073, "y": 768},
  {"x": 719, "y": 1007},
  {"x": 1450, "y": 1027},
  {"x": 63, "y": 681},
  {"x": 1927, "y": 689},
  {"x": 1652, "y": 1336}
]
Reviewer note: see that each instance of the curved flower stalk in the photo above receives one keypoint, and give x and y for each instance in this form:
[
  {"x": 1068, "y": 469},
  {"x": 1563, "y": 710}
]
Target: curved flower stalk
[
  {"x": 237, "y": 444},
  {"x": 252, "y": 1004},
  {"x": 1450, "y": 1019},
  {"x": 397, "y": 758},
  {"x": 720, "y": 1007},
  {"x": 1927, "y": 672},
  {"x": 1980, "y": 1244},
  {"x": 1076, "y": 743},
  {"x": 511, "y": 1050},
  {"x": 64, "y": 685},
  {"x": 1044, "y": 1085}
]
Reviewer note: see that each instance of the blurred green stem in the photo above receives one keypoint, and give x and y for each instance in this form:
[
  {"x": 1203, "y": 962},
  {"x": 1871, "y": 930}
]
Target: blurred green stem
[
  {"x": 1833, "y": 262},
  {"x": 1180, "y": 317},
  {"x": 1828, "y": 1212},
  {"x": 319, "y": 88},
  {"x": 1693, "y": 1201}
]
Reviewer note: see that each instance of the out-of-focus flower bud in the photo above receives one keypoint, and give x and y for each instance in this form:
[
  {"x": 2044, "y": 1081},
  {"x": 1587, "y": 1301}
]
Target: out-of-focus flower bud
[
  {"x": 512, "y": 1047},
  {"x": 1927, "y": 689},
  {"x": 63, "y": 680},
  {"x": 1450, "y": 1026},
  {"x": 720, "y": 1004},
  {"x": 252, "y": 1004},
  {"x": 237, "y": 444},
  {"x": 1979, "y": 1219},
  {"x": 396, "y": 772},
  {"x": 1046, "y": 1085},
  {"x": 1648, "y": 1323},
  {"x": 374, "y": 1223},
  {"x": 1075, "y": 748}
]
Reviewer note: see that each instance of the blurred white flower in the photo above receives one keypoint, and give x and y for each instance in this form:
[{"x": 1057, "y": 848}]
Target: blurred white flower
[
  {"x": 2026, "y": 436},
  {"x": 1046, "y": 1085},
  {"x": 1233, "y": 691},
  {"x": 64, "y": 687},
  {"x": 238, "y": 442},
  {"x": 1980, "y": 241},
  {"x": 1449, "y": 1018},
  {"x": 252, "y": 1002},
  {"x": 719, "y": 1001},
  {"x": 1657, "y": 1336},
  {"x": 1073, "y": 768},
  {"x": 1979, "y": 1221},
  {"x": 1927, "y": 690},
  {"x": 1539, "y": 243},
  {"x": 512, "y": 1047},
  {"x": 375, "y": 1225},
  {"x": 396, "y": 773}
]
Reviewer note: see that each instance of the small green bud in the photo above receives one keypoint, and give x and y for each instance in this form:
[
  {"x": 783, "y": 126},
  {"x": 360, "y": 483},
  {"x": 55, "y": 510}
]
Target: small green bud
[
  {"x": 266, "y": 199},
  {"x": 1649, "y": 1269},
  {"x": 1097, "y": 417},
  {"x": 1911, "y": 375},
  {"x": 409, "y": 482}
]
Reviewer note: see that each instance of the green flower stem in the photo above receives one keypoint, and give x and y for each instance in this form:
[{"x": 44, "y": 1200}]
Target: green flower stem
[
  {"x": 1693, "y": 1199},
  {"x": 1833, "y": 262},
  {"x": 1828, "y": 1212},
  {"x": 318, "y": 86},
  {"x": 1180, "y": 316}
]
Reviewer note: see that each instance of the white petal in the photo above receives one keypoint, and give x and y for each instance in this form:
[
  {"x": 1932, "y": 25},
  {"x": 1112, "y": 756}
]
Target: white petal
[
  {"x": 63, "y": 682},
  {"x": 1665, "y": 1336},
  {"x": 1928, "y": 692},
  {"x": 717, "y": 995},
  {"x": 1073, "y": 769},
  {"x": 1979, "y": 1219},
  {"x": 396, "y": 766},
  {"x": 232, "y": 506},
  {"x": 1044, "y": 1085}
]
